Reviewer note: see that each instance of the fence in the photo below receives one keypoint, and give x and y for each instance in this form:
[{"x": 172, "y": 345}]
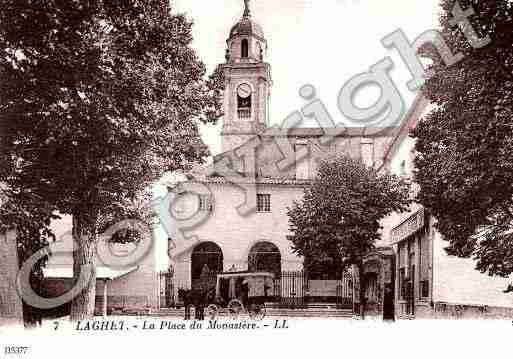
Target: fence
[
  {"x": 296, "y": 290},
  {"x": 167, "y": 290},
  {"x": 292, "y": 289}
]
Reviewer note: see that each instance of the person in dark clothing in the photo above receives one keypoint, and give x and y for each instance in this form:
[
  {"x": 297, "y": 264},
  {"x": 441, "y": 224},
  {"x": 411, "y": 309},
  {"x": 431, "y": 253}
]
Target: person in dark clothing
[{"x": 388, "y": 303}]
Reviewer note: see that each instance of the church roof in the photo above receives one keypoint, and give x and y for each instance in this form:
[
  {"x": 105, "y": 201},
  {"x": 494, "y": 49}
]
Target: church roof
[
  {"x": 268, "y": 153},
  {"x": 284, "y": 181},
  {"x": 246, "y": 26},
  {"x": 102, "y": 272},
  {"x": 334, "y": 132}
]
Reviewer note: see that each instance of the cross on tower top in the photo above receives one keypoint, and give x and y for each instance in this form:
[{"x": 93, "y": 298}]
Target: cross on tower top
[{"x": 247, "y": 10}]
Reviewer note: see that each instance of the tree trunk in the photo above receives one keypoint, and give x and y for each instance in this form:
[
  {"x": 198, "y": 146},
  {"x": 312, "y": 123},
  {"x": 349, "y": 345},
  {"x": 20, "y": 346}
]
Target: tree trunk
[
  {"x": 84, "y": 259},
  {"x": 11, "y": 312}
]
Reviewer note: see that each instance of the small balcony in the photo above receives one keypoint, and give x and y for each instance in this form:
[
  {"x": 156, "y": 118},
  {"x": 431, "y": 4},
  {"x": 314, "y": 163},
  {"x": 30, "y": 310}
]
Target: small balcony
[{"x": 244, "y": 113}]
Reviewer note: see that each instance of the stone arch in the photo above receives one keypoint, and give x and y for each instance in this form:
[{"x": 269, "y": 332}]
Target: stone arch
[
  {"x": 265, "y": 257},
  {"x": 207, "y": 254}
]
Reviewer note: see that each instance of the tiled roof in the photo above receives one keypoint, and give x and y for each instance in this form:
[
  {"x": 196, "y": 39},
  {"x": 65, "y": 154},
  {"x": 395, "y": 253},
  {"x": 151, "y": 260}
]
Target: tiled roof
[
  {"x": 246, "y": 26},
  {"x": 257, "y": 181},
  {"x": 66, "y": 272},
  {"x": 336, "y": 132}
]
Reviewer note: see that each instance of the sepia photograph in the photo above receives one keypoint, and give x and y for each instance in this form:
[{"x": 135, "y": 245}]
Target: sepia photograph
[{"x": 326, "y": 177}]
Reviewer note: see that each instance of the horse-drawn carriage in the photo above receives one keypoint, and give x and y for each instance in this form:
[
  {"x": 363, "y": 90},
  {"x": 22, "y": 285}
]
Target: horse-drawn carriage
[{"x": 237, "y": 293}]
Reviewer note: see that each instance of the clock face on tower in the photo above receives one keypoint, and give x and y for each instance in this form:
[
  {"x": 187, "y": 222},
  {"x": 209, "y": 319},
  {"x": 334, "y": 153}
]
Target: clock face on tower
[{"x": 244, "y": 91}]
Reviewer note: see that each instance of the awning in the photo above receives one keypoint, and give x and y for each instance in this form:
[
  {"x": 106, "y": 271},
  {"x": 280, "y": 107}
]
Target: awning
[
  {"x": 66, "y": 272},
  {"x": 411, "y": 225}
]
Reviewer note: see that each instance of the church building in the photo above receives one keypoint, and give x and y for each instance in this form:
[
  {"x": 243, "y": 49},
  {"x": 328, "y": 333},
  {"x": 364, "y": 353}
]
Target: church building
[{"x": 271, "y": 165}]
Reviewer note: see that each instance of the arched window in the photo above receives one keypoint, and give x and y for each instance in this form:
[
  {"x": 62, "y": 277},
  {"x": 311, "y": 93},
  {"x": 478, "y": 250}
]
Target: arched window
[
  {"x": 245, "y": 48},
  {"x": 206, "y": 256},
  {"x": 265, "y": 257}
]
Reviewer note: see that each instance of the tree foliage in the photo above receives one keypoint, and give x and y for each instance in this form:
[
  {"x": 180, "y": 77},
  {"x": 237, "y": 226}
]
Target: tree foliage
[
  {"x": 338, "y": 221},
  {"x": 98, "y": 99},
  {"x": 465, "y": 145}
]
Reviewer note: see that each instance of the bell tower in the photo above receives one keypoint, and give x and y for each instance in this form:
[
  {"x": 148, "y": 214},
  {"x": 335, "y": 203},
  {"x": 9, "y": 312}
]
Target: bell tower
[{"x": 248, "y": 83}]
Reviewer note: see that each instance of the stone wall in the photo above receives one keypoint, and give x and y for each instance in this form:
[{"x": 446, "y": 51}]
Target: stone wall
[{"x": 236, "y": 234}]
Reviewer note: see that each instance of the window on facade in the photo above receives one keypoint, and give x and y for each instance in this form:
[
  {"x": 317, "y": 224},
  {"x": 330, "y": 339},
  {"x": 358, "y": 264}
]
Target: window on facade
[
  {"x": 401, "y": 253},
  {"x": 402, "y": 170},
  {"x": 402, "y": 284},
  {"x": 411, "y": 258},
  {"x": 302, "y": 164},
  {"x": 411, "y": 275},
  {"x": 424, "y": 266},
  {"x": 245, "y": 48},
  {"x": 368, "y": 154},
  {"x": 263, "y": 203},
  {"x": 205, "y": 203}
]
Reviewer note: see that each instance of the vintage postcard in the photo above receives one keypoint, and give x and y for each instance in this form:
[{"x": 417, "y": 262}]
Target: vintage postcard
[{"x": 231, "y": 177}]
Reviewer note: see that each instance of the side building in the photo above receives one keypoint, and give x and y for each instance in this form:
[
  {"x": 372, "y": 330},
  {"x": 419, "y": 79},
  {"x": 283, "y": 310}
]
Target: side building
[
  {"x": 430, "y": 283},
  {"x": 129, "y": 288}
]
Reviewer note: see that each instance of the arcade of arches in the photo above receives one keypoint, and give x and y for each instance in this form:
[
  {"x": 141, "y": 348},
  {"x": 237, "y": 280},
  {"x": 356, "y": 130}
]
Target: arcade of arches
[{"x": 263, "y": 257}]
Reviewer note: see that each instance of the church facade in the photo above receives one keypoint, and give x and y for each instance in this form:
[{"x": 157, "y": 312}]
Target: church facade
[{"x": 266, "y": 166}]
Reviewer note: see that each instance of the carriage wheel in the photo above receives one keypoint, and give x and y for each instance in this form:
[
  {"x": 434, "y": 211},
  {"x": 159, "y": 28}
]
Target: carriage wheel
[
  {"x": 235, "y": 308},
  {"x": 257, "y": 311},
  {"x": 212, "y": 311}
]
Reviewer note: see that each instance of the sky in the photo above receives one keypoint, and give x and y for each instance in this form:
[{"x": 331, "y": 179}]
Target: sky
[{"x": 321, "y": 42}]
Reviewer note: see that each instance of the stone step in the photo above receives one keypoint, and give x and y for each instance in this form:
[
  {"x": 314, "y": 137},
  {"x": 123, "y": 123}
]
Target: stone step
[{"x": 274, "y": 312}]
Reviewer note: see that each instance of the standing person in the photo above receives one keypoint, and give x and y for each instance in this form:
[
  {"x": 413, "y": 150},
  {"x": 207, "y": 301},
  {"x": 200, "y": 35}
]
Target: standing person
[{"x": 246, "y": 289}]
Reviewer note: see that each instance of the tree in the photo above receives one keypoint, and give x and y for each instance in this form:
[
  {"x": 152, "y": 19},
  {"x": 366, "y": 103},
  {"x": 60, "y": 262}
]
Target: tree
[
  {"x": 137, "y": 208},
  {"x": 337, "y": 223},
  {"x": 98, "y": 99},
  {"x": 465, "y": 145}
]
